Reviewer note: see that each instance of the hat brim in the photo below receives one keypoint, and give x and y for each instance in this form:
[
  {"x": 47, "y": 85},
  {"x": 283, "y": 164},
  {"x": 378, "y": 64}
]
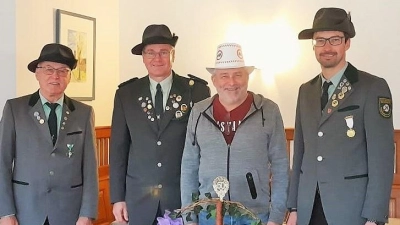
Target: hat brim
[
  {"x": 138, "y": 49},
  {"x": 249, "y": 69},
  {"x": 309, "y": 33},
  {"x": 33, "y": 65}
]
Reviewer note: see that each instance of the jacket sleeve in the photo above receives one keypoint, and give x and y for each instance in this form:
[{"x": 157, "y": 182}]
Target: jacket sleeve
[
  {"x": 119, "y": 151},
  {"x": 380, "y": 151},
  {"x": 279, "y": 168},
  {"x": 297, "y": 158},
  {"x": 90, "y": 195},
  {"x": 190, "y": 163},
  {"x": 7, "y": 153}
]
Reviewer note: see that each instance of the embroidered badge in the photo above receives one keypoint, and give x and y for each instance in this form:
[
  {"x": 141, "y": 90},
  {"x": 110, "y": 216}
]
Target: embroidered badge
[{"x": 385, "y": 107}]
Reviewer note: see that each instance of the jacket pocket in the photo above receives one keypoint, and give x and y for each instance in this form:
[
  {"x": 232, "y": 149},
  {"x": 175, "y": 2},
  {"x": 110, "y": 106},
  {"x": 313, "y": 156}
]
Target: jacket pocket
[
  {"x": 75, "y": 132},
  {"x": 355, "y": 177},
  {"x": 348, "y": 108},
  {"x": 75, "y": 186},
  {"x": 20, "y": 182}
]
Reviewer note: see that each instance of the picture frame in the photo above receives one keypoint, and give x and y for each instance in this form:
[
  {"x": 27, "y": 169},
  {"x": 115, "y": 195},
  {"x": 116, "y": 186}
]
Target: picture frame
[{"x": 78, "y": 32}]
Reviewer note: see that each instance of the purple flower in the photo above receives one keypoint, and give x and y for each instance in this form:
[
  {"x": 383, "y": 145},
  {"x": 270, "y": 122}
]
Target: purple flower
[{"x": 166, "y": 220}]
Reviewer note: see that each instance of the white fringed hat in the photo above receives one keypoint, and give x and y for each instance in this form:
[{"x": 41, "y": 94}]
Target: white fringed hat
[{"x": 229, "y": 56}]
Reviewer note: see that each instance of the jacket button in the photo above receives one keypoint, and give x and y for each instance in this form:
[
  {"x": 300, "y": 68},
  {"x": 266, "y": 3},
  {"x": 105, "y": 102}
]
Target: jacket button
[
  {"x": 51, "y": 173},
  {"x": 320, "y": 134},
  {"x": 319, "y": 158},
  {"x": 159, "y": 186},
  {"x": 48, "y": 190},
  {"x": 53, "y": 154},
  {"x": 159, "y": 164},
  {"x": 158, "y": 142}
]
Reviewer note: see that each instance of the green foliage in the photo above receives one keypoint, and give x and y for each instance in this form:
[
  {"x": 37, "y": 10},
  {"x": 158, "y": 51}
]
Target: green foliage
[
  {"x": 197, "y": 209},
  {"x": 211, "y": 207},
  {"x": 189, "y": 217},
  {"x": 234, "y": 209},
  {"x": 195, "y": 197},
  {"x": 256, "y": 222}
]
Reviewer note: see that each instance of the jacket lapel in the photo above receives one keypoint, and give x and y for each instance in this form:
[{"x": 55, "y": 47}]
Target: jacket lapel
[
  {"x": 178, "y": 103},
  {"x": 146, "y": 104},
  {"x": 314, "y": 93},
  {"x": 343, "y": 90},
  {"x": 36, "y": 112},
  {"x": 66, "y": 119}
]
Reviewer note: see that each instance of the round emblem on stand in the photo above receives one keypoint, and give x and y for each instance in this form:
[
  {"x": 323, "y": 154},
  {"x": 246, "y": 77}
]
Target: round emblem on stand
[{"x": 221, "y": 186}]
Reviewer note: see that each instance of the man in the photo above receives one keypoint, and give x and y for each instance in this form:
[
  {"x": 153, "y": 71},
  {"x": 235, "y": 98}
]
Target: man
[
  {"x": 148, "y": 132},
  {"x": 239, "y": 135},
  {"x": 343, "y": 147},
  {"x": 48, "y": 167}
]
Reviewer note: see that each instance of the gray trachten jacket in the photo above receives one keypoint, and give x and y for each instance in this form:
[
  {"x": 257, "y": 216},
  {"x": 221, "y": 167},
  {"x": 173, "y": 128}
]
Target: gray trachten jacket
[{"x": 258, "y": 149}]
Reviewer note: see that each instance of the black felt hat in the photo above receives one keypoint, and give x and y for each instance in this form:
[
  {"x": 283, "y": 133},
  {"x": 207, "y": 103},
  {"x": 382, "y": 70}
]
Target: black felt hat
[
  {"x": 155, "y": 34},
  {"x": 330, "y": 19},
  {"x": 54, "y": 53}
]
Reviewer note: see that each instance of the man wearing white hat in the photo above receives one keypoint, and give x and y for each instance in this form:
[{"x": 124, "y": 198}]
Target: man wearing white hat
[{"x": 239, "y": 135}]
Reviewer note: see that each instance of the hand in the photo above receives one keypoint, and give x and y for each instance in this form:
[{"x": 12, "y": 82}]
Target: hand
[
  {"x": 8, "y": 220},
  {"x": 84, "y": 221},
  {"x": 370, "y": 223},
  {"x": 292, "y": 219},
  {"x": 120, "y": 212}
]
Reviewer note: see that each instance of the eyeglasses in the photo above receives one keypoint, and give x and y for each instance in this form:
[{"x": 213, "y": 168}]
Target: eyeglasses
[
  {"x": 153, "y": 54},
  {"x": 320, "y": 42},
  {"x": 48, "y": 70}
]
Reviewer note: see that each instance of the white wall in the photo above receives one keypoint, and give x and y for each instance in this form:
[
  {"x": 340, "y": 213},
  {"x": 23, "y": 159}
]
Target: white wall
[
  {"x": 202, "y": 25},
  {"x": 7, "y": 52},
  {"x": 35, "y": 27}
]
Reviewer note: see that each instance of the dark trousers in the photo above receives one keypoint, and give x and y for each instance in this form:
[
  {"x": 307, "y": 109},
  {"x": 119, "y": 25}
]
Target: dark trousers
[
  {"x": 318, "y": 215},
  {"x": 159, "y": 214},
  {"x": 46, "y": 222}
]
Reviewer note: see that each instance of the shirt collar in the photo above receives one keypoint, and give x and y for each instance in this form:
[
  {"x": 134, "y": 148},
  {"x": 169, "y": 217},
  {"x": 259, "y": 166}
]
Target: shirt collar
[
  {"x": 165, "y": 84},
  {"x": 44, "y": 100},
  {"x": 336, "y": 78}
]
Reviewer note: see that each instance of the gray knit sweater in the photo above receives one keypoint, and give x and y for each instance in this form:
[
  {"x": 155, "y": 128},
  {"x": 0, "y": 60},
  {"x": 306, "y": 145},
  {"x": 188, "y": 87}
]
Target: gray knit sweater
[{"x": 259, "y": 148}]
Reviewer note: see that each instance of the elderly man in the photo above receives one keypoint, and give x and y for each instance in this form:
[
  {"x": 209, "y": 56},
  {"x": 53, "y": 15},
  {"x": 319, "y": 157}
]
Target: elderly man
[
  {"x": 343, "y": 144},
  {"x": 239, "y": 135},
  {"x": 48, "y": 167},
  {"x": 148, "y": 132}
]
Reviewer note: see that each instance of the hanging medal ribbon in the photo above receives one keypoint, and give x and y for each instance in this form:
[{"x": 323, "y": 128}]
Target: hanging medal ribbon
[{"x": 350, "y": 124}]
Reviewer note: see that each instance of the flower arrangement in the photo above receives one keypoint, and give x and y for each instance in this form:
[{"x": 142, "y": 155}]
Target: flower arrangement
[
  {"x": 167, "y": 220},
  {"x": 208, "y": 204}
]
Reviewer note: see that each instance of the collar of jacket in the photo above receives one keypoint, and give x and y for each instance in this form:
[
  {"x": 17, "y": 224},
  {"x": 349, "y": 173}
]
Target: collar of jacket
[
  {"x": 178, "y": 83},
  {"x": 35, "y": 98},
  {"x": 351, "y": 73},
  {"x": 256, "y": 105}
]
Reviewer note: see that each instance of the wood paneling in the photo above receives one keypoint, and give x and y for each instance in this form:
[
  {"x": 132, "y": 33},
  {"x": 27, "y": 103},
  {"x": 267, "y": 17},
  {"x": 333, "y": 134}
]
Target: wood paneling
[
  {"x": 394, "y": 208},
  {"x": 105, "y": 216}
]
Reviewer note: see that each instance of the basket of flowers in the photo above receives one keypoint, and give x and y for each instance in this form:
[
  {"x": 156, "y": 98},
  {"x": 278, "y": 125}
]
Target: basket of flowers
[{"x": 213, "y": 208}]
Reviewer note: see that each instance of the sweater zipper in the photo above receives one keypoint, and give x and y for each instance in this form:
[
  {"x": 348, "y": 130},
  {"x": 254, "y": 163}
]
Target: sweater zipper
[{"x": 227, "y": 168}]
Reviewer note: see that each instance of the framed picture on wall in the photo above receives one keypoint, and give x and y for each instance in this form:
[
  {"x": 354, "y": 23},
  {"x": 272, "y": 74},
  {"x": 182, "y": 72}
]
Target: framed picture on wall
[{"x": 78, "y": 32}]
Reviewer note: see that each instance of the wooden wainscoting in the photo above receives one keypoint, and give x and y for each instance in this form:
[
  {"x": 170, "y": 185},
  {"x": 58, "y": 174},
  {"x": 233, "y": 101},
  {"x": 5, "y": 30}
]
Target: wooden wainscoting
[
  {"x": 394, "y": 206},
  {"x": 105, "y": 216}
]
